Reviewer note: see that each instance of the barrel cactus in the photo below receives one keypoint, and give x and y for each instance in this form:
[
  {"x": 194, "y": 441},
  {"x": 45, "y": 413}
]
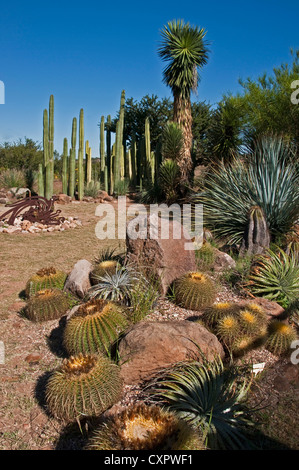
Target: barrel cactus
[
  {"x": 46, "y": 278},
  {"x": 94, "y": 327},
  {"x": 47, "y": 304},
  {"x": 205, "y": 257},
  {"x": 213, "y": 314},
  {"x": 194, "y": 291},
  {"x": 84, "y": 385},
  {"x": 142, "y": 427},
  {"x": 280, "y": 337}
]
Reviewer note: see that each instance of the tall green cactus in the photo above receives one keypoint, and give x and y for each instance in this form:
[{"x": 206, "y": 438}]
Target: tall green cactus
[
  {"x": 102, "y": 148},
  {"x": 119, "y": 142},
  {"x": 64, "y": 166},
  {"x": 88, "y": 162},
  {"x": 50, "y": 164},
  {"x": 40, "y": 180},
  {"x": 108, "y": 152},
  {"x": 81, "y": 157},
  {"x": 72, "y": 166}
]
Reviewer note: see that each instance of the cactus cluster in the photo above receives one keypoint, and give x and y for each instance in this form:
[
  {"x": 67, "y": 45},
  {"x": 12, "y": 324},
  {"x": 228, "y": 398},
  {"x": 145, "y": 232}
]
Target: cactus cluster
[
  {"x": 143, "y": 427},
  {"x": 94, "y": 327},
  {"x": 45, "y": 278},
  {"x": 47, "y": 304},
  {"x": 84, "y": 385},
  {"x": 238, "y": 327},
  {"x": 194, "y": 291}
]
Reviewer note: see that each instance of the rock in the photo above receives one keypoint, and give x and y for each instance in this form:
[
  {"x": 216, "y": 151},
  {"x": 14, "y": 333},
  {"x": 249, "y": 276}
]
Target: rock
[
  {"x": 4, "y": 200},
  {"x": 22, "y": 192},
  {"x": 78, "y": 280},
  {"x": 151, "y": 346},
  {"x": 63, "y": 199},
  {"x": 33, "y": 358},
  {"x": 272, "y": 309},
  {"x": 105, "y": 196},
  {"x": 223, "y": 261},
  {"x": 167, "y": 259}
]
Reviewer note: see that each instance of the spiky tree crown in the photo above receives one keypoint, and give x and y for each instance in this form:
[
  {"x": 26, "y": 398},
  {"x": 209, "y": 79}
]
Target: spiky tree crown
[{"x": 184, "y": 48}]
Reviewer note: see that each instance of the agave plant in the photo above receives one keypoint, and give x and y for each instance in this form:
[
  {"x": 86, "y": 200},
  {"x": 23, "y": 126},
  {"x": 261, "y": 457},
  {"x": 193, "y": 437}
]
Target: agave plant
[
  {"x": 209, "y": 396},
  {"x": 269, "y": 180},
  {"x": 276, "y": 277},
  {"x": 172, "y": 141},
  {"x": 114, "y": 286}
]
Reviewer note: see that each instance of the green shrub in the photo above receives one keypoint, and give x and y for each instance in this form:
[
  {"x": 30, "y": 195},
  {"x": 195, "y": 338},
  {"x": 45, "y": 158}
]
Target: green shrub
[{"x": 12, "y": 178}]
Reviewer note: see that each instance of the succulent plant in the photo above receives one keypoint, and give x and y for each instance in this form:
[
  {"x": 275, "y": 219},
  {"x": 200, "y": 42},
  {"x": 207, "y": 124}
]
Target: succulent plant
[
  {"x": 47, "y": 304},
  {"x": 143, "y": 427},
  {"x": 194, "y": 291},
  {"x": 94, "y": 327},
  {"x": 213, "y": 314},
  {"x": 114, "y": 286},
  {"x": 84, "y": 385},
  {"x": 280, "y": 337},
  {"x": 228, "y": 328},
  {"x": 250, "y": 322},
  {"x": 46, "y": 278},
  {"x": 205, "y": 257},
  {"x": 209, "y": 397},
  {"x": 100, "y": 269},
  {"x": 242, "y": 344}
]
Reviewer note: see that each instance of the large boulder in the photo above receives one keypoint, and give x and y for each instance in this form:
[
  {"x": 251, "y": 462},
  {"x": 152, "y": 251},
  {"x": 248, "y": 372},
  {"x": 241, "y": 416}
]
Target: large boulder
[
  {"x": 78, "y": 281},
  {"x": 151, "y": 346},
  {"x": 166, "y": 259}
]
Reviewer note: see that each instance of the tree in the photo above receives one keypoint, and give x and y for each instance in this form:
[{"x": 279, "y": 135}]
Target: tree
[
  {"x": 158, "y": 111},
  {"x": 21, "y": 155},
  {"x": 184, "y": 49},
  {"x": 266, "y": 103}
]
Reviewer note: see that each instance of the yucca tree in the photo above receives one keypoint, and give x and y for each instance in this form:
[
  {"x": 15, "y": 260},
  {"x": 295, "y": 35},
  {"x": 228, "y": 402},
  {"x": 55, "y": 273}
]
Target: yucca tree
[{"x": 184, "y": 49}]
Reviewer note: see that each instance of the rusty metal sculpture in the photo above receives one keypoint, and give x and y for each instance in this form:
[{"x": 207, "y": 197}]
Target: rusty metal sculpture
[{"x": 39, "y": 210}]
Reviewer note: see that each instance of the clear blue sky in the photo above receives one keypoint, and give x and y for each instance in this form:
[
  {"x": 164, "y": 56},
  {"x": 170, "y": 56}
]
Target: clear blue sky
[{"x": 85, "y": 53}]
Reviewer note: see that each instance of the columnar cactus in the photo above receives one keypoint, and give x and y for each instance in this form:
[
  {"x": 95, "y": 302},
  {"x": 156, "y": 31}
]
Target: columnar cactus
[
  {"x": 81, "y": 157},
  {"x": 72, "y": 166},
  {"x": 65, "y": 166}
]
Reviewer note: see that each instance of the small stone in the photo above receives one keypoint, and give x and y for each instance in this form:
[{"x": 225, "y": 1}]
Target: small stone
[{"x": 33, "y": 358}]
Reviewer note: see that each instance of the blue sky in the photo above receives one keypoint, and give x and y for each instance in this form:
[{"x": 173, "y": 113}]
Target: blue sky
[{"x": 86, "y": 53}]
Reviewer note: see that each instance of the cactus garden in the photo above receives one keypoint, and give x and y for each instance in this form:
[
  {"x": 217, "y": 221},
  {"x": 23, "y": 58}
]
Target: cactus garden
[{"x": 115, "y": 341}]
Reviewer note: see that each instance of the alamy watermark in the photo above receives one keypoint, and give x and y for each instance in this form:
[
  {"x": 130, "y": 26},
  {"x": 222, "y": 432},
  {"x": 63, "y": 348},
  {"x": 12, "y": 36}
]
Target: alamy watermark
[
  {"x": 2, "y": 92},
  {"x": 157, "y": 221}
]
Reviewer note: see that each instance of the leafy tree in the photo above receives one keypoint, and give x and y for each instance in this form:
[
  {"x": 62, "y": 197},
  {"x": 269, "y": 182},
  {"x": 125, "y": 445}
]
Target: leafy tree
[
  {"x": 184, "y": 49},
  {"x": 21, "y": 155},
  {"x": 266, "y": 103},
  {"x": 158, "y": 111}
]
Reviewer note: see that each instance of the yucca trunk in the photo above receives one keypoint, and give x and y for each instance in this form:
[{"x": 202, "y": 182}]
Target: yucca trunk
[{"x": 182, "y": 115}]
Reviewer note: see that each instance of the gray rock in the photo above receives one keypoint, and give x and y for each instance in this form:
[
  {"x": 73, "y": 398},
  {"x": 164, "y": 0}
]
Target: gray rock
[
  {"x": 78, "y": 280},
  {"x": 223, "y": 261}
]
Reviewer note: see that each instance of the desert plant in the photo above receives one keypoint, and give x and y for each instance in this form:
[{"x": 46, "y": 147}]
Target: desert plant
[
  {"x": 94, "y": 327},
  {"x": 227, "y": 329},
  {"x": 143, "y": 427},
  {"x": 210, "y": 397},
  {"x": 172, "y": 141},
  {"x": 194, "y": 291},
  {"x": 45, "y": 278},
  {"x": 205, "y": 257},
  {"x": 218, "y": 310},
  {"x": 269, "y": 180},
  {"x": 92, "y": 189},
  {"x": 83, "y": 385},
  {"x": 276, "y": 277},
  {"x": 12, "y": 178},
  {"x": 169, "y": 180},
  {"x": 114, "y": 286},
  {"x": 142, "y": 299},
  {"x": 100, "y": 269},
  {"x": 280, "y": 337},
  {"x": 47, "y": 304}
]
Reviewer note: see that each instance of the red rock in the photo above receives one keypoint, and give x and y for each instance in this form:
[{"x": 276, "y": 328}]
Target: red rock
[{"x": 33, "y": 358}]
